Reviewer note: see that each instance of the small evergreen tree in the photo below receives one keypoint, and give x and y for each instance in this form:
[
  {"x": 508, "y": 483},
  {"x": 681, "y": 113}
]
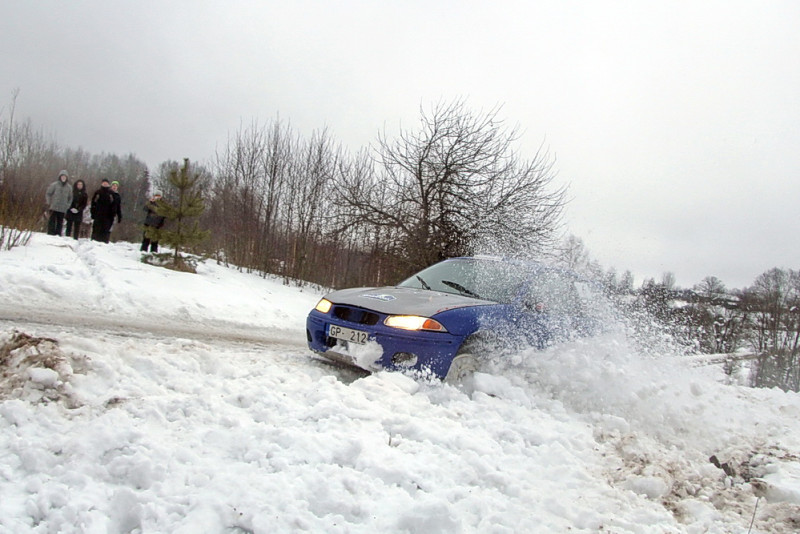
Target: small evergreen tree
[{"x": 183, "y": 232}]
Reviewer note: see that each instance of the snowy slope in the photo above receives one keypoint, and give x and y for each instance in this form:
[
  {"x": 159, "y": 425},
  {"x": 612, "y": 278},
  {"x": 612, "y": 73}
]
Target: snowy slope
[{"x": 136, "y": 399}]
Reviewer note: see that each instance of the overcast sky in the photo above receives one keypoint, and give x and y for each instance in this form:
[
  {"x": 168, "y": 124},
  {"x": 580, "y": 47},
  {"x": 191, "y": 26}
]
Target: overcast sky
[{"x": 676, "y": 125}]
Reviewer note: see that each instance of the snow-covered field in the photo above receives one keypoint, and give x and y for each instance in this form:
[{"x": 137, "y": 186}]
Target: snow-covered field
[{"x": 137, "y": 399}]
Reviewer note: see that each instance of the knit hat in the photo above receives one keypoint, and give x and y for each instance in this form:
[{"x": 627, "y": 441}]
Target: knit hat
[
  {"x": 104, "y": 181},
  {"x": 115, "y": 182}
]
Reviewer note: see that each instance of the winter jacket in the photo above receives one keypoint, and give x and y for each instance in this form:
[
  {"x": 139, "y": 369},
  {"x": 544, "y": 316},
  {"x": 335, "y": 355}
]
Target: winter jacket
[
  {"x": 104, "y": 205},
  {"x": 152, "y": 218},
  {"x": 118, "y": 205},
  {"x": 59, "y": 194},
  {"x": 79, "y": 200}
]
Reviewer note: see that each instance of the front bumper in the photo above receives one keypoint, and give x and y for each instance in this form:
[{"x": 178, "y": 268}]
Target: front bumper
[{"x": 388, "y": 348}]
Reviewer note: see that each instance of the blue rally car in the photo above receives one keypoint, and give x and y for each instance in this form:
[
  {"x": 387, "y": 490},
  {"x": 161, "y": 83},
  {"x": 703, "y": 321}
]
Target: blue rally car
[{"x": 444, "y": 319}]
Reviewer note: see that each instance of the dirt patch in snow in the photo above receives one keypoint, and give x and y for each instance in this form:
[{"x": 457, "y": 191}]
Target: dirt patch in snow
[
  {"x": 694, "y": 487},
  {"x": 35, "y": 369}
]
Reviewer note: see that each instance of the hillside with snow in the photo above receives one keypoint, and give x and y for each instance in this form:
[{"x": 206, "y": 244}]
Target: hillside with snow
[{"x": 138, "y": 399}]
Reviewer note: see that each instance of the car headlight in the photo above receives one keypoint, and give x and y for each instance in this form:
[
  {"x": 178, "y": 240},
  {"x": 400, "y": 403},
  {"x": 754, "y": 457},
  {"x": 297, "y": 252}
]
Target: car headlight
[
  {"x": 414, "y": 322},
  {"x": 323, "y": 306}
]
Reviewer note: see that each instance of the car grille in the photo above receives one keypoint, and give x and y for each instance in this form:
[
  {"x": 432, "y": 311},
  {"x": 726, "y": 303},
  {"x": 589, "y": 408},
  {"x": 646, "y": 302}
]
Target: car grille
[{"x": 355, "y": 315}]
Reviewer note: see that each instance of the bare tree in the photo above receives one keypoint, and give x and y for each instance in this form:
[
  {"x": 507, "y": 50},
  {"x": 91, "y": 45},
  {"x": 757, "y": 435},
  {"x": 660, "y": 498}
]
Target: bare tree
[
  {"x": 668, "y": 280},
  {"x": 276, "y": 162},
  {"x": 308, "y": 193},
  {"x": 773, "y": 303},
  {"x": 572, "y": 253},
  {"x": 237, "y": 213},
  {"x": 717, "y": 321},
  {"x": 456, "y": 185},
  {"x": 625, "y": 284},
  {"x": 271, "y": 203},
  {"x": 8, "y": 138},
  {"x": 28, "y": 163},
  {"x": 711, "y": 288}
]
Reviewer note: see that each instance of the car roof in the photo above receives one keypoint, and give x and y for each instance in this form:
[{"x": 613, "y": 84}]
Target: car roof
[{"x": 533, "y": 265}]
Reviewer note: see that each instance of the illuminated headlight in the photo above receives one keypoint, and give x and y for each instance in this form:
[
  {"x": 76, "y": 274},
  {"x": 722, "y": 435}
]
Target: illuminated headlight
[
  {"x": 414, "y": 322},
  {"x": 323, "y": 306}
]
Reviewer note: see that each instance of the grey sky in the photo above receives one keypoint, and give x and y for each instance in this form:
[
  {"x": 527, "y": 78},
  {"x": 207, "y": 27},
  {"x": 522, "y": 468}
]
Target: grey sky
[{"x": 676, "y": 124}]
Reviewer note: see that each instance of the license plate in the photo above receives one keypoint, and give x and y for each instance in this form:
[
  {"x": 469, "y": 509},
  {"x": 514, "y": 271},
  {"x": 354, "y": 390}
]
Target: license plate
[{"x": 348, "y": 334}]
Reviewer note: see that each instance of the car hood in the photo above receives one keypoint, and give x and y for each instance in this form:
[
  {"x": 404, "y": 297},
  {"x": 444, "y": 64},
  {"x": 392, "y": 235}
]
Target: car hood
[{"x": 403, "y": 300}]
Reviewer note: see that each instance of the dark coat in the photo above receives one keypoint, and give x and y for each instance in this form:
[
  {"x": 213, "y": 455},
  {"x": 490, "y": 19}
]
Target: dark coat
[
  {"x": 79, "y": 200},
  {"x": 152, "y": 218},
  {"x": 104, "y": 205},
  {"x": 118, "y": 205}
]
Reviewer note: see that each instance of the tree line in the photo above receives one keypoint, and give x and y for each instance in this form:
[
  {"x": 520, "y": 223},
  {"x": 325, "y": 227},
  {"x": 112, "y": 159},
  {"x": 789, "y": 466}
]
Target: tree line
[
  {"x": 308, "y": 210},
  {"x": 761, "y": 320}
]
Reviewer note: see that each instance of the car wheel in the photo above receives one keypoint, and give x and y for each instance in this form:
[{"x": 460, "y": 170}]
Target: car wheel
[
  {"x": 467, "y": 361},
  {"x": 462, "y": 370}
]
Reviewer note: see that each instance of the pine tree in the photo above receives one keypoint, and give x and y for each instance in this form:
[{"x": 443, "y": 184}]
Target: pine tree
[{"x": 183, "y": 232}]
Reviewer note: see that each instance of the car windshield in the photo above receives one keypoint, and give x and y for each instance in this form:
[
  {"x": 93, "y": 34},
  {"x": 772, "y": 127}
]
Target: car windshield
[{"x": 472, "y": 277}]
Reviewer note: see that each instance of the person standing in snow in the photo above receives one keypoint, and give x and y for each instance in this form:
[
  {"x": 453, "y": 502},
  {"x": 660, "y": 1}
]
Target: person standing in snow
[
  {"x": 75, "y": 213},
  {"x": 86, "y": 227},
  {"x": 117, "y": 199},
  {"x": 59, "y": 198},
  {"x": 103, "y": 209},
  {"x": 152, "y": 220}
]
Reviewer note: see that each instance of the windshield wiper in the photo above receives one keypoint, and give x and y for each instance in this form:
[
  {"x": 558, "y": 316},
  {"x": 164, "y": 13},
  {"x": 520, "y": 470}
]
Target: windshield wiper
[
  {"x": 424, "y": 284},
  {"x": 461, "y": 289}
]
